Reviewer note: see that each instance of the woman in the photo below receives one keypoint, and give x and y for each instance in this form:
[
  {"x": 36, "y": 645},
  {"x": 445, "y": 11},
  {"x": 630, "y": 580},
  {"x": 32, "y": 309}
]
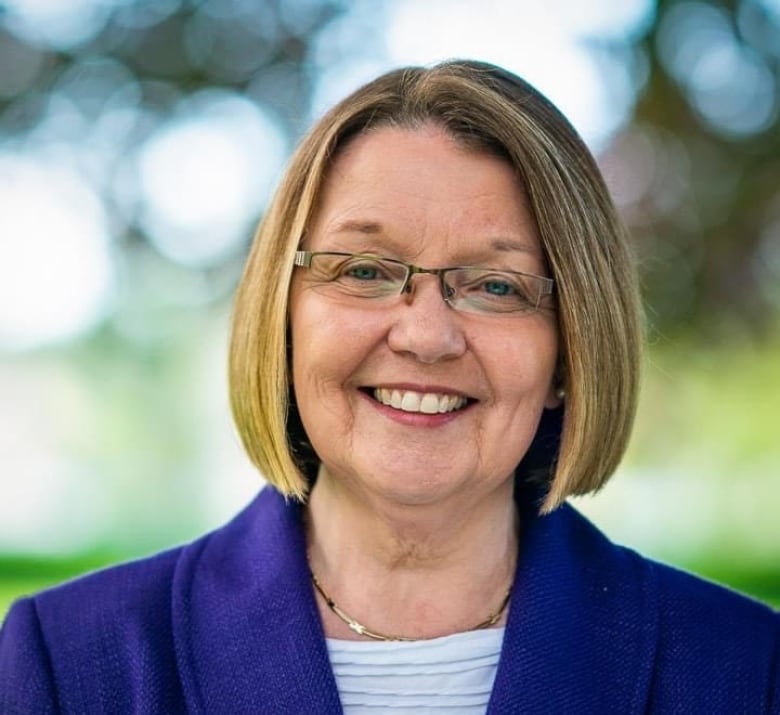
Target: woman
[{"x": 435, "y": 342}]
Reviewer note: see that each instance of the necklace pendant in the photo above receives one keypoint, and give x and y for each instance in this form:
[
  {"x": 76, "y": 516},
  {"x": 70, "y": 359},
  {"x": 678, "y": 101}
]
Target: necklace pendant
[{"x": 357, "y": 627}]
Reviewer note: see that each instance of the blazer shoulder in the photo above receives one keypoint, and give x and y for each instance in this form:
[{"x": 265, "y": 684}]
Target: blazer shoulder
[
  {"x": 116, "y": 640},
  {"x": 135, "y": 593},
  {"x": 714, "y": 645},
  {"x": 117, "y": 592},
  {"x": 97, "y": 643},
  {"x": 679, "y": 594},
  {"x": 724, "y": 621},
  {"x": 709, "y": 648}
]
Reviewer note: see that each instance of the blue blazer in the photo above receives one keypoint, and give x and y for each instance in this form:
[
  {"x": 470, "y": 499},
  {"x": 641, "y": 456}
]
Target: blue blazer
[{"x": 228, "y": 624}]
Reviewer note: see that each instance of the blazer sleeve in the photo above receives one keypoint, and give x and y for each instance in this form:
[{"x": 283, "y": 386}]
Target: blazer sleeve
[{"x": 26, "y": 680}]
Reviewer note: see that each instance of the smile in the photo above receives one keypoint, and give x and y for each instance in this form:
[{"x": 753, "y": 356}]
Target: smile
[{"x": 429, "y": 403}]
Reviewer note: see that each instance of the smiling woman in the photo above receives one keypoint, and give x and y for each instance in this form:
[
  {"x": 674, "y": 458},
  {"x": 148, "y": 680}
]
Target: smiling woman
[{"x": 421, "y": 429}]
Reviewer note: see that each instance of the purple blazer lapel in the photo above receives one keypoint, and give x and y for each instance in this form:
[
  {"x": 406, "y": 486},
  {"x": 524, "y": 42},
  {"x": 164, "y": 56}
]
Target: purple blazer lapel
[
  {"x": 583, "y": 624},
  {"x": 248, "y": 636}
]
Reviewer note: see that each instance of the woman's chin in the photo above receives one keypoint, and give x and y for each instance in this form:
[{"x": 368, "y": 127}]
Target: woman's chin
[{"x": 404, "y": 490}]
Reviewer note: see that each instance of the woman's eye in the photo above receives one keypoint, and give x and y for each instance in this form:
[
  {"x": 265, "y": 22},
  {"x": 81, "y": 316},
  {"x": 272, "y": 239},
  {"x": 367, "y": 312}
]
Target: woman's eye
[
  {"x": 500, "y": 292},
  {"x": 363, "y": 272},
  {"x": 499, "y": 288}
]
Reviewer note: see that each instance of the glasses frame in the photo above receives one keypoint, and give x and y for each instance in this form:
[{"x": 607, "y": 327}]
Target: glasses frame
[{"x": 303, "y": 259}]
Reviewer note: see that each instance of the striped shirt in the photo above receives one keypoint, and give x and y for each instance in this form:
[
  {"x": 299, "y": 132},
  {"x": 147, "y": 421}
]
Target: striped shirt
[{"x": 453, "y": 674}]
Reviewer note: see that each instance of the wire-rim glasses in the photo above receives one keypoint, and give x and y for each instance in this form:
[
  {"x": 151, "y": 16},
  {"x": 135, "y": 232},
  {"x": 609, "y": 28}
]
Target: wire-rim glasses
[{"x": 472, "y": 289}]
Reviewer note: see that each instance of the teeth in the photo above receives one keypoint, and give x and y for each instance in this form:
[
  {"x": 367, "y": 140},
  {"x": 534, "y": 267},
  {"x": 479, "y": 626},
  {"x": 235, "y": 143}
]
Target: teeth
[
  {"x": 429, "y": 403},
  {"x": 410, "y": 402}
]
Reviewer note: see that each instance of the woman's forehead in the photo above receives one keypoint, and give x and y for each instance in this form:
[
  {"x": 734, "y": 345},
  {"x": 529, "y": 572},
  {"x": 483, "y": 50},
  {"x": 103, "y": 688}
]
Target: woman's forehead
[{"x": 392, "y": 183}]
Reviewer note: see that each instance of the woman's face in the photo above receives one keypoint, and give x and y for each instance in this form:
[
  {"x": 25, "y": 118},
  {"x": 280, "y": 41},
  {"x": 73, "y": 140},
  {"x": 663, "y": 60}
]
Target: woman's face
[{"x": 417, "y": 196}]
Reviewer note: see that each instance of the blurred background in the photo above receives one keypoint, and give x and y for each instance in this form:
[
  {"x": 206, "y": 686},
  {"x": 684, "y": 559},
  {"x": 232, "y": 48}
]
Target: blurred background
[{"x": 139, "y": 143}]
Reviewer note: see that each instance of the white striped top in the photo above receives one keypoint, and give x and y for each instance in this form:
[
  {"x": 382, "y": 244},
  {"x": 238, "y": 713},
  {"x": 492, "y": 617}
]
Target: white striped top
[{"x": 453, "y": 674}]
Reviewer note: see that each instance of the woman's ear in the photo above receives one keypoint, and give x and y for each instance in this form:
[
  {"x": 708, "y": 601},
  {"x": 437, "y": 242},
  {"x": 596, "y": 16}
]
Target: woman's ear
[
  {"x": 556, "y": 397},
  {"x": 557, "y": 394}
]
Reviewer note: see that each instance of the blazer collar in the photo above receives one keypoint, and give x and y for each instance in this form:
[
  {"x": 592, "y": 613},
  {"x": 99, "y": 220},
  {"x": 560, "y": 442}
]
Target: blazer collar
[
  {"x": 580, "y": 635},
  {"x": 247, "y": 631}
]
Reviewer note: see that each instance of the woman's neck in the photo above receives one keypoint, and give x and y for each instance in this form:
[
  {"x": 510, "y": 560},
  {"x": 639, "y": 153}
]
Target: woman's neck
[{"x": 414, "y": 571}]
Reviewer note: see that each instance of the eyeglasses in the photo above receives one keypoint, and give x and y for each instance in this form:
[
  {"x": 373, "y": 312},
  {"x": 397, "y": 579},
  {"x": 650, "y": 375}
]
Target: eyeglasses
[{"x": 474, "y": 290}]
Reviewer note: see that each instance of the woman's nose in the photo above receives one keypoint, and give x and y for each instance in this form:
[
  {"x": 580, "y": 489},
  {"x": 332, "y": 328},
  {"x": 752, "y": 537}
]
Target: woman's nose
[{"x": 424, "y": 325}]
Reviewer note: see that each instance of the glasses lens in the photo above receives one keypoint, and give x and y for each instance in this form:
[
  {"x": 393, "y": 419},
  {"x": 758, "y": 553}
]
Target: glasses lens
[
  {"x": 486, "y": 291},
  {"x": 362, "y": 276}
]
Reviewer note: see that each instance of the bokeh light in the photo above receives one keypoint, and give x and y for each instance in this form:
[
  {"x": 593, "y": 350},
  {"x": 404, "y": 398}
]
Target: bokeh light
[
  {"x": 55, "y": 258},
  {"x": 732, "y": 89},
  {"x": 139, "y": 143},
  {"x": 206, "y": 174},
  {"x": 549, "y": 44},
  {"x": 61, "y": 25}
]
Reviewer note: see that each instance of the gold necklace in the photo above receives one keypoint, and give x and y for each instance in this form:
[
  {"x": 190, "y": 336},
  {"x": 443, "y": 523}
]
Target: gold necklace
[{"x": 361, "y": 630}]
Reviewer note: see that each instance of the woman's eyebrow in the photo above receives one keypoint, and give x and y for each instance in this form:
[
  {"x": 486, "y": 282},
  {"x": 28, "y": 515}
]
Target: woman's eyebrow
[
  {"x": 507, "y": 245},
  {"x": 374, "y": 227},
  {"x": 357, "y": 226},
  {"x": 367, "y": 227}
]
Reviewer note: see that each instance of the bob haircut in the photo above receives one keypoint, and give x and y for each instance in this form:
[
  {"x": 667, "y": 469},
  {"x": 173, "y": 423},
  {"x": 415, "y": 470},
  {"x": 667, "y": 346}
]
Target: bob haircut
[{"x": 483, "y": 107}]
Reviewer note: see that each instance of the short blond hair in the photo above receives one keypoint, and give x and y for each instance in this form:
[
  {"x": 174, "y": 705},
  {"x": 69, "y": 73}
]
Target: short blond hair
[{"x": 584, "y": 241}]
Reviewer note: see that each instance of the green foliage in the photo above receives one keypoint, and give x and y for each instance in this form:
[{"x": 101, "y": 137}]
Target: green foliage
[{"x": 714, "y": 406}]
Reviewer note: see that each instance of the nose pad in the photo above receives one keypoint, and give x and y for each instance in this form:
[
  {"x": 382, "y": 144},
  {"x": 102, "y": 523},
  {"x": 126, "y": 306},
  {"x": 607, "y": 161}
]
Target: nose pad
[
  {"x": 407, "y": 289},
  {"x": 444, "y": 289},
  {"x": 447, "y": 292}
]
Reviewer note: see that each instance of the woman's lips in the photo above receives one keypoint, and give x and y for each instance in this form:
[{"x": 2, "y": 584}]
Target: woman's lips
[{"x": 428, "y": 403}]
